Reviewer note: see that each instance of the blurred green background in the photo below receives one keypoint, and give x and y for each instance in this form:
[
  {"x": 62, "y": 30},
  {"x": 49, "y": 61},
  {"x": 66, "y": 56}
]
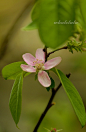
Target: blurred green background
[{"x": 14, "y": 42}]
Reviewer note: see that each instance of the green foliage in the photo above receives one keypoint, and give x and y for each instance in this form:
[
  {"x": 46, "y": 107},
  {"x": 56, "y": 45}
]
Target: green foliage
[
  {"x": 34, "y": 15},
  {"x": 35, "y": 12},
  {"x": 82, "y": 4},
  {"x": 52, "y": 84},
  {"x": 58, "y": 20},
  {"x": 54, "y": 21},
  {"x": 51, "y": 32},
  {"x": 36, "y": 76},
  {"x": 81, "y": 19},
  {"x": 31, "y": 26},
  {"x": 74, "y": 45},
  {"x": 79, "y": 30},
  {"x": 73, "y": 95},
  {"x": 16, "y": 98},
  {"x": 12, "y": 70}
]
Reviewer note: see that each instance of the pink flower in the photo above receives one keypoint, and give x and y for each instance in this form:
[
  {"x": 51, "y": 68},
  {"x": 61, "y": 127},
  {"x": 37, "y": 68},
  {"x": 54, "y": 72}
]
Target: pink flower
[{"x": 39, "y": 65}]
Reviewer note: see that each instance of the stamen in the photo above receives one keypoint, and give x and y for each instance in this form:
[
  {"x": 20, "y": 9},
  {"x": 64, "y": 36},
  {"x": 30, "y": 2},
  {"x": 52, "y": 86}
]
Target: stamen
[{"x": 39, "y": 65}]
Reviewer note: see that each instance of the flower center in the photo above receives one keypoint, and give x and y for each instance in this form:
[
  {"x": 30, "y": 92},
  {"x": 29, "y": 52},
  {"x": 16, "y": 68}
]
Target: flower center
[{"x": 39, "y": 65}]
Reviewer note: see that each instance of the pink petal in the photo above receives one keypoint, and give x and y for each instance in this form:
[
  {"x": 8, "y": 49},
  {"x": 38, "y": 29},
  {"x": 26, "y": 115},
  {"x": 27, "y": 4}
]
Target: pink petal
[
  {"x": 29, "y": 59},
  {"x": 52, "y": 63},
  {"x": 40, "y": 54},
  {"x": 28, "y": 68},
  {"x": 44, "y": 79}
]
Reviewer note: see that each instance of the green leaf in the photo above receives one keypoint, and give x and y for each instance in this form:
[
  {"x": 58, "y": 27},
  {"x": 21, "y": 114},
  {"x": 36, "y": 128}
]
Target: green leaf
[
  {"x": 52, "y": 32},
  {"x": 36, "y": 76},
  {"x": 82, "y": 4},
  {"x": 74, "y": 97},
  {"x": 74, "y": 45},
  {"x": 34, "y": 16},
  {"x": 35, "y": 11},
  {"x": 80, "y": 27},
  {"x": 16, "y": 98},
  {"x": 12, "y": 70},
  {"x": 52, "y": 84},
  {"x": 31, "y": 26}
]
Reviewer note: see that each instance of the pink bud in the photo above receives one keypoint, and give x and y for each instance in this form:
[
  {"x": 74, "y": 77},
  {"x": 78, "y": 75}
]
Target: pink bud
[{"x": 54, "y": 130}]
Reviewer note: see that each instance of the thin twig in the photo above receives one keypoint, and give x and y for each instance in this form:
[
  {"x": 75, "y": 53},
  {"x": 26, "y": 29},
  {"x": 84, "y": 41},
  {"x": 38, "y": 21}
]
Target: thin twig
[
  {"x": 65, "y": 47},
  {"x": 45, "y": 50},
  {"x": 49, "y": 105}
]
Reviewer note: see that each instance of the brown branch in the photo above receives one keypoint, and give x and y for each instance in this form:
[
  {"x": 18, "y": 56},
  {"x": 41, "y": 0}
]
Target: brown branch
[
  {"x": 4, "y": 44},
  {"x": 45, "y": 50},
  {"x": 49, "y": 105},
  {"x": 65, "y": 47}
]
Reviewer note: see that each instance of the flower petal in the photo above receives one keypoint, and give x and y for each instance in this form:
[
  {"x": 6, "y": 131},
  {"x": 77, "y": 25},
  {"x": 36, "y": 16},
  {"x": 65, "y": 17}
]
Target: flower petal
[
  {"x": 44, "y": 79},
  {"x": 28, "y": 68},
  {"x": 52, "y": 63},
  {"x": 40, "y": 54},
  {"x": 29, "y": 59}
]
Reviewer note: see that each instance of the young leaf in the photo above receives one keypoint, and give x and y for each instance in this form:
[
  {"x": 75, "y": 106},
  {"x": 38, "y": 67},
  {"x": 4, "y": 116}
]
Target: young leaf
[
  {"x": 31, "y": 26},
  {"x": 54, "y": 21},
  {"x": 52, "y": 84},
  {"x": 16, "y": 98},
  {"x": 35, "y": 11},
  {"x": 36, "y": 76},
  {"x": 12, "y": 70},
  {"x": 74, "y": 97}
]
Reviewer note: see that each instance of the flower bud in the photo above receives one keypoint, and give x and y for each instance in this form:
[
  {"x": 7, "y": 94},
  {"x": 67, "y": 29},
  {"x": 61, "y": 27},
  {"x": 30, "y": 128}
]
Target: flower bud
[{"x": 53, "y": 130}]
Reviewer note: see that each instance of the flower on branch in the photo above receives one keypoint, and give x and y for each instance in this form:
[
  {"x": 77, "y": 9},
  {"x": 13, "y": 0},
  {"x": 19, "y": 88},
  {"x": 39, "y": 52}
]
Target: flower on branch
[
  {"x": 53, "y": 130},
  {"x": 37, "y": 64}
]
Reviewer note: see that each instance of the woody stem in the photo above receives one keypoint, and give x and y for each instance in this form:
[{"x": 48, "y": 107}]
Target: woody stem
[{"x": 50, "y": 103}]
